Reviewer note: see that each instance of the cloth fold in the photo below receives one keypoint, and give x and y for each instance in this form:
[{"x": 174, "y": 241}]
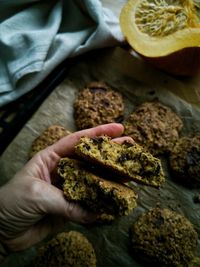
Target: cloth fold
[{"x": 35, "y": 36}]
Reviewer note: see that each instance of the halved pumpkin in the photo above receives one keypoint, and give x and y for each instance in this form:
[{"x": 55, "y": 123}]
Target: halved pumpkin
[{"x": 165, "y": 32}]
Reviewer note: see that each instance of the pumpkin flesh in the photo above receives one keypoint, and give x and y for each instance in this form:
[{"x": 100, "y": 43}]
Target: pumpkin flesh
[{"x": 156, "y": 29}]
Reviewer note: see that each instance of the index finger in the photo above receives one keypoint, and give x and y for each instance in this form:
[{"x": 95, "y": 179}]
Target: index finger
[{"x": 65, "y": 146}]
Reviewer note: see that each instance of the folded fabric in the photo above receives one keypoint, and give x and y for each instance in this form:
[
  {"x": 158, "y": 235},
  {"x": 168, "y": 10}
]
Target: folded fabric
[{"x": 35, "y": 36}]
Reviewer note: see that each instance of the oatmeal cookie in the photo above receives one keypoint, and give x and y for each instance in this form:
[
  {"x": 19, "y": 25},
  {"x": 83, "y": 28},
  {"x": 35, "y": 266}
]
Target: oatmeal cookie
[
  {"x": 185, "y": 160},
  {"x": 50, "y": 135},
  {"x": 154, "y": 126},
  {"x": 93, "y": 192},
  {"x": 71, "y": 249},
  {"x": 128, "y": 159},
  {"x": 164, "y": 237},
  {"x": 97, "y": 104},
  {"x": 195, "y": 262}
]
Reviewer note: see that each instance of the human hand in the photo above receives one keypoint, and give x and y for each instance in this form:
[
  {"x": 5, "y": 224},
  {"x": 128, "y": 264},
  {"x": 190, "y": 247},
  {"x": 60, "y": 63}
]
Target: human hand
[{"x": 31, "y": 207}]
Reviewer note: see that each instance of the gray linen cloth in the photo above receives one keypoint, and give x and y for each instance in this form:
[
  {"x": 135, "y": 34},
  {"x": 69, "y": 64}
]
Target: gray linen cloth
[{"x": 35, "y": 36}]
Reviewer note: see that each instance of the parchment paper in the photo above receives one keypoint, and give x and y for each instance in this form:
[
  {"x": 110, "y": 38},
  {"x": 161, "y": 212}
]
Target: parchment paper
[{"x": 138, "y": 82}]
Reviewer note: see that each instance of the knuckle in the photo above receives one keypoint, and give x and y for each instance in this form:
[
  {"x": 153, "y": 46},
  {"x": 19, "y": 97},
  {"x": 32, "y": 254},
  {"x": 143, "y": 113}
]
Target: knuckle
[{"x": 34, "y": 188}]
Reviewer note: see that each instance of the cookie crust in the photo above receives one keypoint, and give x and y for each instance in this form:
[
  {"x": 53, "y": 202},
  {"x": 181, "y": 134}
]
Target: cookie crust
[
  {"x": 70, "y": 249},
  {"x": 164, "y": 237},
  {"x": 154, "y": 126},
  {"x": 97, "y": 104},
  {"x": 48, "y": 137},
  {"x": 185, "y": 160}
]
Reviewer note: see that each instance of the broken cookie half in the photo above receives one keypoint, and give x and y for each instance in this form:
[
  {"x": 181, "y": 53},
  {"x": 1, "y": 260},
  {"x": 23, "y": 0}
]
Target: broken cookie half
[
  {"x": 128, "y": 159},
  {"x": 93, "y": 192}
]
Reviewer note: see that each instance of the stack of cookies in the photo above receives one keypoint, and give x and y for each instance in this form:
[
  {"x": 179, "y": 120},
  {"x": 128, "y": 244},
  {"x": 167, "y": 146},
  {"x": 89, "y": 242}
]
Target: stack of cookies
[{"x": 96, "y": 180}]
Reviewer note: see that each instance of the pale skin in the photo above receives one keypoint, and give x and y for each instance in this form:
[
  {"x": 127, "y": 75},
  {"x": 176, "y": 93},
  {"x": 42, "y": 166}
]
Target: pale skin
[{"x": 31, "y": 207}]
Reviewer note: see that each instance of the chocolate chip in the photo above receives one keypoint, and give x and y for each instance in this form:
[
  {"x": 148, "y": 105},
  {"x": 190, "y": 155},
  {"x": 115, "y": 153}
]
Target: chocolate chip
[
  {"x": 124, "y": 157},
  {"x": 119, "y": 119},
  {"x": 158, "y": 167},
  {"x": 105, "y": 102},
  {"x": 86, "y": 146},
  {"x": 193, "y": 157},
  {"x": 97, "y": 89},
  {"x": 159, "y": 220},
  {"x": 97, "y": 140}
]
